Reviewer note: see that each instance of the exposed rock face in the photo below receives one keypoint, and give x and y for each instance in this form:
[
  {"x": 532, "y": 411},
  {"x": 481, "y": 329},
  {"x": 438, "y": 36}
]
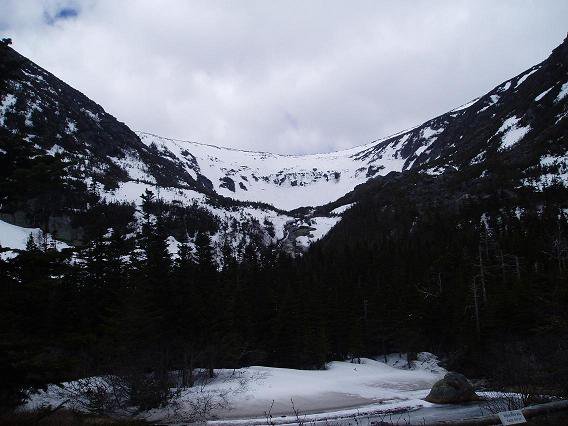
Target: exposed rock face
[
  {"x": 454, "y": 388},
  {"x": 293, "y": 230}
]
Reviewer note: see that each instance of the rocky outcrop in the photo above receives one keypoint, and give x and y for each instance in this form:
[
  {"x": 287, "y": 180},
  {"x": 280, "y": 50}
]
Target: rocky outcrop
[
  {"x": 292, "y": 230},
  {"x": 454, "y": 388}
]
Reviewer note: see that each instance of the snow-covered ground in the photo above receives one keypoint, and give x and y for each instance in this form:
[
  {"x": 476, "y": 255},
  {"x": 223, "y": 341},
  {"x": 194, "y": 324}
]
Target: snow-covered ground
[
  {"x": 15, "y": 238},
  {"x": 342, "y": 390},
  {"x": 284, "y": 181}
]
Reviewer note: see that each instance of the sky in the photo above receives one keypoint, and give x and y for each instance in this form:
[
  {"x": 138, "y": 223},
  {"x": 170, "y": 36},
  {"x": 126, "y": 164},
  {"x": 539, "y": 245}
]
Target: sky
[{"x": 290, "y": 76}]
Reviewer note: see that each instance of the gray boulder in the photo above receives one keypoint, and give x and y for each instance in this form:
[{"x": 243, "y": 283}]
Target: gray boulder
[{"x": 454, "y": 388}]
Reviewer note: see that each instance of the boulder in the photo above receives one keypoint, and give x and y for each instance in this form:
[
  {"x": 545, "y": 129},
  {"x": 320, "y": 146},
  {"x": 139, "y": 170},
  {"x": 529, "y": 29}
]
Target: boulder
[{"x": 454, "y": 388}]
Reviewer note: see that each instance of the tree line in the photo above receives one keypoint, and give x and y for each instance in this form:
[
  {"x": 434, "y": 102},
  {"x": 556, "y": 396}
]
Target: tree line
[{"x": 464, "y": 284}]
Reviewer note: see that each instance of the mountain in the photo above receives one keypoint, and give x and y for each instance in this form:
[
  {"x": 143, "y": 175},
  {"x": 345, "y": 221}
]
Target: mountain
[
  {"x": 527, "y": 107},
  {"x": 282, "y": 200},
  {"x": 512, "y": 139},
  {"x": 51, "y": 133},
  {"x": 451, "y": 237}
]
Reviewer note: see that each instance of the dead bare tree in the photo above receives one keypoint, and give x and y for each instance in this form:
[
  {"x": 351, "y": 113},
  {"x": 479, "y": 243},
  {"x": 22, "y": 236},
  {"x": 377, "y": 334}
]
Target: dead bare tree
[
  {"x": 481, "y": 274},
  {"x": 559, "y": 249},
  {"x": 268, "y": 415},
  {"x": 474, "y": 292},
  {"x": 299, "y": 420}
]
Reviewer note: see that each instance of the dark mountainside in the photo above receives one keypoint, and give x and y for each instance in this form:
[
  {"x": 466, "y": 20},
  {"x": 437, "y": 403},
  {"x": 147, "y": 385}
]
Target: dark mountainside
[
  {"x": 50, "y": 191},
  {"x": 468, "y": 151},
  {"x": 61, "y": 151},
  {"x": 464, "y": 254},
  {"x": 58, "y": 113},
  {"x": 471, "y": 262},
  {"x": 75, "y": 153}
]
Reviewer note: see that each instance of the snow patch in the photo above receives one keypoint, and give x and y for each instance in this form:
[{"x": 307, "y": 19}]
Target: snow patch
[
  {"x": 434, "y": 171},
  {"x": 563, "y": 92},
  {"x": 173, "y": 246},
  {"x": 33, "y": 106},
  {"x": 70, "y": 127},
  {"x": 524, "y": 77},
  {"x": 137, "y": 170},
  {"x": 428, "y": 132},
  {"x": 15, "y": 238},
  {"x": 55, "y": 149},
  {"x": 493, "y": 99},
  {"x": 556, "y": 172},
  {"x": 466, "y": 105},
  {"x": 320, "y": 225},
  {"x": 542, "y": 95},
  {"x": 478, "y": 158},
  {"x": 342, "y": 209},
  {"x": 512, "y": 132},
  {"x": 504, "y": 87},
  {"x": 7, "y": 105},
  {"x": 560, "y": 117},
  {"x": 33, "y": 76},
  {"x": 91, "y": 115}
]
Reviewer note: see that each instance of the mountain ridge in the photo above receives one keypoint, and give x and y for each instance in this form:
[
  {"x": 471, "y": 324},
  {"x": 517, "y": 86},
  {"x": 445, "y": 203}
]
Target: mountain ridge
[{"x": 282, "y": 191}]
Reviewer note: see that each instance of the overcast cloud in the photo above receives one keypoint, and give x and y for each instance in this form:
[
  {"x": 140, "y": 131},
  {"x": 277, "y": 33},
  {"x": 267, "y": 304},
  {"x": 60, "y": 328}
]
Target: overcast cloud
[{"x": 282, "y": 76}]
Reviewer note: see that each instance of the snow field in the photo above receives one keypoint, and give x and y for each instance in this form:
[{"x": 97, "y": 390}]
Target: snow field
[
  {"x": 340, "y": 390},
  {"x": 284, "y": 181}
]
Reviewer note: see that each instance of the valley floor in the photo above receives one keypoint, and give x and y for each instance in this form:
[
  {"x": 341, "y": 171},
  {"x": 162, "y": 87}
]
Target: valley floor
[
  {"x": 252, "y": 395},
  {"x": 359, "y": 393},
  {"x": 341, "y": 389}
]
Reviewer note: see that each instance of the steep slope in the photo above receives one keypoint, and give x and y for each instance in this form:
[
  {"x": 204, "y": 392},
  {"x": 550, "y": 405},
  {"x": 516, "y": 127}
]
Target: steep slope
[
  {"x": 63, "y": 157},
  {"x": 285, "y": 181},
  {"x": 46, "y": 112},
  {"x": 466, "y": 252},
  {"x": 506, "y": 152},
  {"x": 521, "y": 123},
  {"x": 488, "y": 127}
]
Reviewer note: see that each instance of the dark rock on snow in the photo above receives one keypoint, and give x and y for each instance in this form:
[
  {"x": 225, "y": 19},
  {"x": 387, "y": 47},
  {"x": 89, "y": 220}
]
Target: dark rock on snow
[{"x": 454, "y": 388}]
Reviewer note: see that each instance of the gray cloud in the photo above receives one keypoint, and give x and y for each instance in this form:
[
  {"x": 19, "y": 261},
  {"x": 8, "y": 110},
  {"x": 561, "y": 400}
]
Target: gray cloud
[{"x": 282, "y": 76}]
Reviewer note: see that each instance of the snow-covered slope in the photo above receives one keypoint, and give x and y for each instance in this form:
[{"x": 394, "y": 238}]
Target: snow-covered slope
[
  {"x": 523, "y": 118},
  {"x": 284, "y": 181},
  {"x": 490, "y": 126},
  {"x": 50, "y": 114},
  {"x": 14, "y": 238}
]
